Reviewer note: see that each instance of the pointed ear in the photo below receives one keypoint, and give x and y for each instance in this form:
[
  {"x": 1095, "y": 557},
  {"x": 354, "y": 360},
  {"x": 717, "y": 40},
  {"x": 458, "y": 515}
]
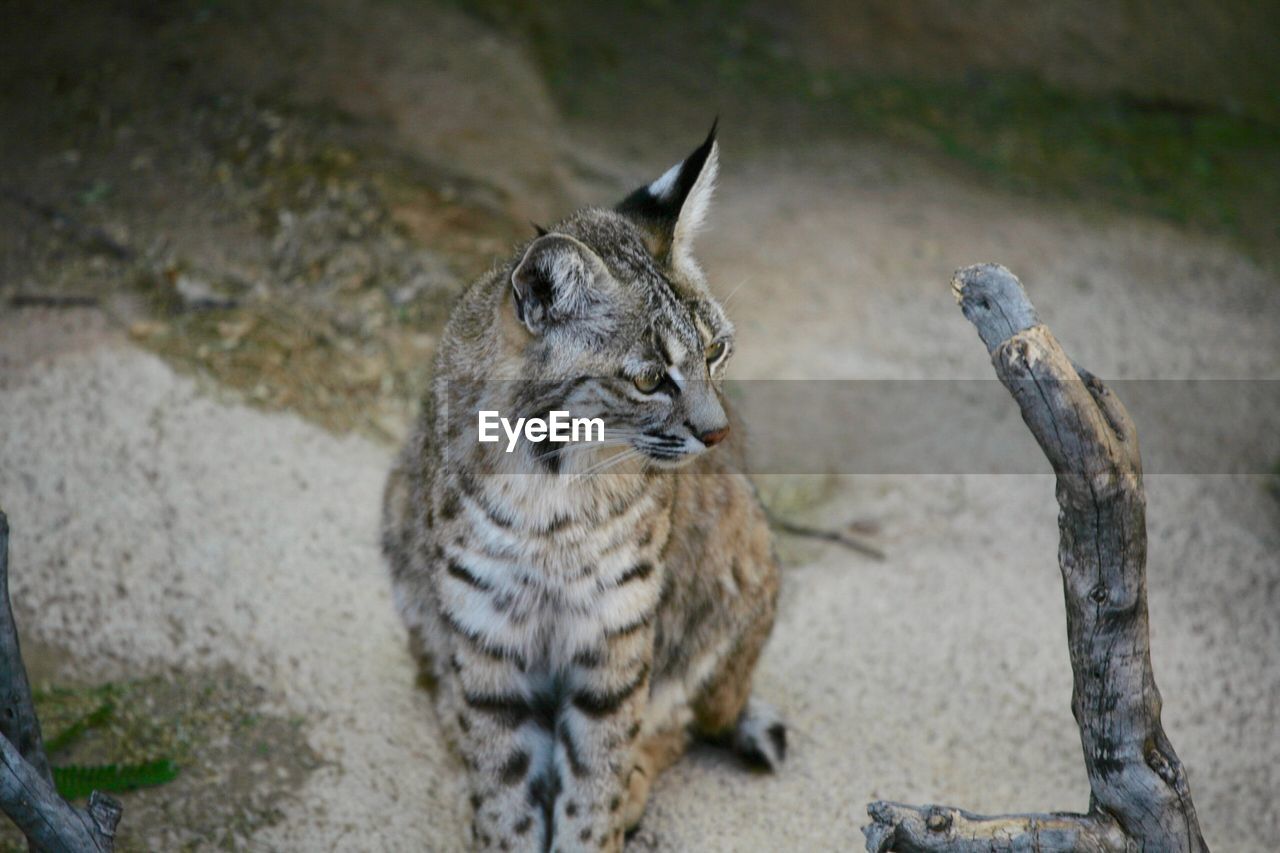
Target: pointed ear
[
  {"x": 672, "y": 209},
  {"x": 558, "y": 279}
]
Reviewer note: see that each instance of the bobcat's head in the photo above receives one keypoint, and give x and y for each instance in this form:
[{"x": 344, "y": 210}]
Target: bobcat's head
[{"x": 619, "y": 318}]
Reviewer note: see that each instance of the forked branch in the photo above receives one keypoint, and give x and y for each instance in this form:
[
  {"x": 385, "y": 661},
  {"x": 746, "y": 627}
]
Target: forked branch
[{"x": 1140, "y": 796}]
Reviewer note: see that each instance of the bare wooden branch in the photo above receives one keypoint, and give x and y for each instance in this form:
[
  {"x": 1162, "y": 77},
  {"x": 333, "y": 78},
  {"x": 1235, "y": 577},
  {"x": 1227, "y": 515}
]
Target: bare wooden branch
[
  {"x": 50, "y": 823},
  {"x": 1140, "y": 796},
  {"x": 18, "y": 723},
  {"x": 27, "y": 794},
  {"x": 940, "y": 828}
]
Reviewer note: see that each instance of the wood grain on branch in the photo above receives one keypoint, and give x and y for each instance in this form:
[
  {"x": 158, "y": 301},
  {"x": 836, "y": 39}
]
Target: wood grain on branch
[
  {"x": 51, "y": 824},
  {"x": 27, "y": 793},
  {"x": 1140, "y": 796},
  {"x": 18, "y": 723},
  {"x": 940, "y": 828}
]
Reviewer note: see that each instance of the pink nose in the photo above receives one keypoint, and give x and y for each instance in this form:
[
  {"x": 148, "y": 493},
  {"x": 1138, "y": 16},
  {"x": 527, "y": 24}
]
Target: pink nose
[{"x": 714, "y": 437}]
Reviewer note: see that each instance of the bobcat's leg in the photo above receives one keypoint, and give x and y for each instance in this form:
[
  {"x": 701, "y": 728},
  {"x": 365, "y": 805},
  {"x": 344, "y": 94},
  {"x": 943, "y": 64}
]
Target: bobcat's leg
[
  {"x": 595, "y": 744},
  {"x": 726, "y": 712},
  {"x": 502, "y": 745},
  {"x": 653, "y": 754},
  {"x": 549, "y": 754}
]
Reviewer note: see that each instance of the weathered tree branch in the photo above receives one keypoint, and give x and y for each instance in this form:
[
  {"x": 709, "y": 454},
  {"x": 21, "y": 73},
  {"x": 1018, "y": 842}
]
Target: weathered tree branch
[
  {"x": 942, "y": 829},
  {"x": 18, "y": 723},
  {"x": 1140, "y": 796},
  {"x": 51, "y": 823},
  {"x": 27, "y": 794}
]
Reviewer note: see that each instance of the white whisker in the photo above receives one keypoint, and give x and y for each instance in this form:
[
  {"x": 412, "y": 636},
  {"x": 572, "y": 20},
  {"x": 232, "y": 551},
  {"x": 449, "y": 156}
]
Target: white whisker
[
  {"x": 610, "y": 462},
  {"x": 724, "y": 303},
  {"x": 582, "y": 446}
]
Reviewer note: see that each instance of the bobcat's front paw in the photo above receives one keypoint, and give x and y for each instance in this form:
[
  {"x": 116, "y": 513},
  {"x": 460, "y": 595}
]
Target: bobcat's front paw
[{"x": 760, "y": 736}]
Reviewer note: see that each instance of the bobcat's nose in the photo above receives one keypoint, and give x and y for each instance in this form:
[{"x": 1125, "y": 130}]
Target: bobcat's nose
[{"x": 713, "y": 437}]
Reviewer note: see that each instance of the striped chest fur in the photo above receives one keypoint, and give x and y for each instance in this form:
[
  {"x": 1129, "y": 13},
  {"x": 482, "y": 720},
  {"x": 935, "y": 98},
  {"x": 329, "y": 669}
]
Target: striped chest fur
[{"x": 547, "y": 573}]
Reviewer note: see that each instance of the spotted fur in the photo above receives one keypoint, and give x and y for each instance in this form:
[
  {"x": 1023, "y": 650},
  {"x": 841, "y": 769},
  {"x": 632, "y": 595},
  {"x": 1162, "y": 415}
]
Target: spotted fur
[{"x": 583, "y": 610}]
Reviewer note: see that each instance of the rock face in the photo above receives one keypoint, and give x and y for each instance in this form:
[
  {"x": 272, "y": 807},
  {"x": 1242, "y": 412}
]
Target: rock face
[
  {"x": 1190, "y": 51},
  {"x": 445, "y": 87}
]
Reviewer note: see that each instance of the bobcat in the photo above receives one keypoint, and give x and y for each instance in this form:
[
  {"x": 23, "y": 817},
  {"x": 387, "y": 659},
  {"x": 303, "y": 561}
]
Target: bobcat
[{"x": 584, "y": 609}]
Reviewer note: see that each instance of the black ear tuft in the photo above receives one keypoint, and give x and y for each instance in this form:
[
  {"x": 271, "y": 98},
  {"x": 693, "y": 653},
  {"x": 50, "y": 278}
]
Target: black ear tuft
[
  {"x": 541, "y": 232},
  {"x": 658, "y": 207}
]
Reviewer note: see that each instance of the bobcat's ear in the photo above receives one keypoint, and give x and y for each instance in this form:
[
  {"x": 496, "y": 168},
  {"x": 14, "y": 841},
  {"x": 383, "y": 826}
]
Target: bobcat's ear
[
  {"x": 558, "y": 279},
  {"x": 672, "y": 209}
]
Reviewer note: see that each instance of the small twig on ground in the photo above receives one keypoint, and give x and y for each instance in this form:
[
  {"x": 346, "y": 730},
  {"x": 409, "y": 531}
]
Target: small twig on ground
[
  {"x": 93, "y": 237},
  {"x": 52, "y": 300},
  {"x": 849, "y": 541}
]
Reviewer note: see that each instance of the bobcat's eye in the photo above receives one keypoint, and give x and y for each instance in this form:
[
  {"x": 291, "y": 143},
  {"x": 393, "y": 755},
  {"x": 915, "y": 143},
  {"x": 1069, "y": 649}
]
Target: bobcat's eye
[
  {"x": 647, "y": 383},
  {"x": 716, "y": 351}
]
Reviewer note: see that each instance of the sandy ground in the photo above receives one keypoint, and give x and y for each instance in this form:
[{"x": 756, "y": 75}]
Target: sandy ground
[
  {"x": 159, "y": 524},
  {"x": 177, "y": 531}
]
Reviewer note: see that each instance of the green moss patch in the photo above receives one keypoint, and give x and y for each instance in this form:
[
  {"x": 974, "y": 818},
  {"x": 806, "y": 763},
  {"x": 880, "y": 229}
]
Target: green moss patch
[{"x": 207, "y": 762}]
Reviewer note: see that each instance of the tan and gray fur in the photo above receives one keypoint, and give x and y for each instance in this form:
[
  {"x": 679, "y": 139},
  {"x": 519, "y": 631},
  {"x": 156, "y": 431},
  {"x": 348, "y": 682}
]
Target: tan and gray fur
[{"x": 584, "y": 610}]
